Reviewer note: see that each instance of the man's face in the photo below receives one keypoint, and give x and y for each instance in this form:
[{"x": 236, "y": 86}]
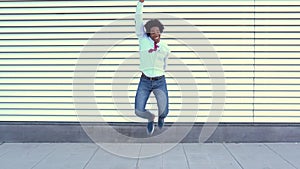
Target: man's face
[{"x": 155, "y": 34}]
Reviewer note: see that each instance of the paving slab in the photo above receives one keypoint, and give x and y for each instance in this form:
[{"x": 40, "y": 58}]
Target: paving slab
[
  {"x": 108, "y": 158},
  {"x": 209, "y": 156},
  {"x": 68, "y": 156},
  {"x": 131, "y": 150},
  {"x": 257, "y": 156},
  {"x": 289, "y": 152},
  {"x": 5, "y": 148},
  {"x": 24, "y": 156},
  {"x": 174, "y": 158},
  {"x": 150, "y": 157}
]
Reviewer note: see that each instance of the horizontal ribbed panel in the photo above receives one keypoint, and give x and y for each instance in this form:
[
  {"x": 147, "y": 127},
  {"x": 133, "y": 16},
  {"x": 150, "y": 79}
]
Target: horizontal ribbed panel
[{"x": 256, "y": 42}]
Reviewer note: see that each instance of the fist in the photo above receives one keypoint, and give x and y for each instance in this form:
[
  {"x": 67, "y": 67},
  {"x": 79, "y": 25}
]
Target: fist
[{"x": 142, "y": 1}]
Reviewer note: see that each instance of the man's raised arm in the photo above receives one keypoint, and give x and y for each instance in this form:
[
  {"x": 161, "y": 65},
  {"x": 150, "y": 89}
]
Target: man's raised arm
[{"x": 139, "y": 26}]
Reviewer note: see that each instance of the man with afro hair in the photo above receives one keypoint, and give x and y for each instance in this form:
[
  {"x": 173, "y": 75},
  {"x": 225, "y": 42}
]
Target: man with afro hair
[{"x": 153, "y": 57}]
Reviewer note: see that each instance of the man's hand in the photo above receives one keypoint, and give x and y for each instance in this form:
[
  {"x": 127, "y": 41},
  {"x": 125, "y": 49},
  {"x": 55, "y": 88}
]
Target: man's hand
[{"x": 141, "y": 1}]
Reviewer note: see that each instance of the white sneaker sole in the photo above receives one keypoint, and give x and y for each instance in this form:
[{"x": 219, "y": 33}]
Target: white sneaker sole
[{"x": 152, "y": 131}]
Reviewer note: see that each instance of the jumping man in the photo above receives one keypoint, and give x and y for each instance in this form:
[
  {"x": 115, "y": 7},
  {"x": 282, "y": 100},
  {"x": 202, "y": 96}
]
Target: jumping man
[{"x": 153, "y": 56}]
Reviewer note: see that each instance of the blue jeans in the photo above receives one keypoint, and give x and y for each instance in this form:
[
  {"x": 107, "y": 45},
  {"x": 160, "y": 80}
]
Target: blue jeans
[{"x": 160, "y": 91}]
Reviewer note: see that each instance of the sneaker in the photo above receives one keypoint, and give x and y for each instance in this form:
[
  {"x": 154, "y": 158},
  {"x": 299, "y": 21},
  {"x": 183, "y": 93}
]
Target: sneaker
[
  {"x": 160, "y": 122},
  {"x": 150, "y": 128}
]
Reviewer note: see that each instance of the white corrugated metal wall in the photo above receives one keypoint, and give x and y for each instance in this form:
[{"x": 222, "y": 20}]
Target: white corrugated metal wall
[{"x": 257, "y": 43}]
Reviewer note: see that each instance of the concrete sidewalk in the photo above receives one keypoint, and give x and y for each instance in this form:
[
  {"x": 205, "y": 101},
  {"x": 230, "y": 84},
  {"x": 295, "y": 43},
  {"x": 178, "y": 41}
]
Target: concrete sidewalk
[{"x": 182, "y": 156}]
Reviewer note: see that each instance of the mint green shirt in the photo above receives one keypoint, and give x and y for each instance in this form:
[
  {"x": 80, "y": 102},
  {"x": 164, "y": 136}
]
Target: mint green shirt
[{"x": 151, "y": 64}]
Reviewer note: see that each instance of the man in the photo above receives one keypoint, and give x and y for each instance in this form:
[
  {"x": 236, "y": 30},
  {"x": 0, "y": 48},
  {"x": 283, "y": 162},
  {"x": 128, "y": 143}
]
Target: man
[{"x": 153, "y": 57}]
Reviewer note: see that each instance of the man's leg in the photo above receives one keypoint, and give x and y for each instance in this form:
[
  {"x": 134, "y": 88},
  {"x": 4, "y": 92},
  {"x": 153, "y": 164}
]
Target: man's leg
[
  {"x": 162, "y": 98},
  {"x": 141, "y": 98}
]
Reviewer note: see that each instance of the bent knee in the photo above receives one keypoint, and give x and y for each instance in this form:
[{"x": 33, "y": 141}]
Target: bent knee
[{"x": 138, "y": 112}]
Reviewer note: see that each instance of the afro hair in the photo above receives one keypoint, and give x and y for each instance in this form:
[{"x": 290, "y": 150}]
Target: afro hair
[{"x": 152, "y": 23}]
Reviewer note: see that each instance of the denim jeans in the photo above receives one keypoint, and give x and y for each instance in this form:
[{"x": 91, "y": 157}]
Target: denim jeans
[{"x": 159, "y": 89}]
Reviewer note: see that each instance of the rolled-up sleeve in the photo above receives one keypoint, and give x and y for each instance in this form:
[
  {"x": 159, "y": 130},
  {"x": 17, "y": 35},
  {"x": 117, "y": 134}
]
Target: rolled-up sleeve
[{"x": 139, "y": 26}]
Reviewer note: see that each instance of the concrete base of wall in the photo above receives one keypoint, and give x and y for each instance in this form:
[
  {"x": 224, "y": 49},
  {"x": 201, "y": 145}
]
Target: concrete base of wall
[{"x": 75, "y": 132}]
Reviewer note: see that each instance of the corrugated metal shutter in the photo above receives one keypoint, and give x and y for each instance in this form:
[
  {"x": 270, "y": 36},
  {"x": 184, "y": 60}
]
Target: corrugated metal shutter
[
  {"x": 256, "y": 42},
  {"x": 277, "y": 61}
]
